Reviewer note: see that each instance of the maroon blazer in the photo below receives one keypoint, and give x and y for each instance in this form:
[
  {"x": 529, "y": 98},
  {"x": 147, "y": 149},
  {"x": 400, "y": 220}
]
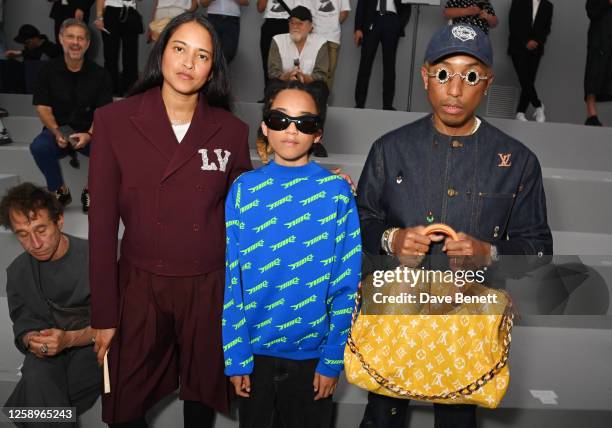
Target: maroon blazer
[{"x": 170, "y": 196}]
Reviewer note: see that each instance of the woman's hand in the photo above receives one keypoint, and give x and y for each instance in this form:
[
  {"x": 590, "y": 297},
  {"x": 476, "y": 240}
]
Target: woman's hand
[{"x": 102, "y": 339}]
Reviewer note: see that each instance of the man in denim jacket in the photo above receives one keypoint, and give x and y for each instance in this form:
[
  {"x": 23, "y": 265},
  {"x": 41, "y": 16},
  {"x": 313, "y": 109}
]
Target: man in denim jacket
[{"x": 455, "y": 168}]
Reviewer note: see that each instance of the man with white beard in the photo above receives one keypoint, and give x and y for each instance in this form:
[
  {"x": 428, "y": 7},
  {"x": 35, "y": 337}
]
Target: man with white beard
[{"x": 299, "y": 54}]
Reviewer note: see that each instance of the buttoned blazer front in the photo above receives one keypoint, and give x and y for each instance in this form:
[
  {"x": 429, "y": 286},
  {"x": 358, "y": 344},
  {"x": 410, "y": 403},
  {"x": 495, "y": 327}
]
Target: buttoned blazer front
[
  {"x": 523, "y": 28},
  {"x": 365, "y": 14},
  {"x": 169, "y": 196}
]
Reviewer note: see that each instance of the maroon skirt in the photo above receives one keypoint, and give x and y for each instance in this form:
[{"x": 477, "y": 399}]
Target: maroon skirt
[{"x": 169, "y": 335}]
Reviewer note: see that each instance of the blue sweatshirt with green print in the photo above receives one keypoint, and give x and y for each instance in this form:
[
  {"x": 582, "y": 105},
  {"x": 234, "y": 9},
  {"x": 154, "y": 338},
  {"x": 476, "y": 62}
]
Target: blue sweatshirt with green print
[{"x": 292, "y": 267}]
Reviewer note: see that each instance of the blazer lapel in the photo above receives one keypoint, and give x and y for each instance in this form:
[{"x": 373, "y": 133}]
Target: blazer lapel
[
  {"x": 153, "y": 123},
  {"x": 203, "y": 127}
]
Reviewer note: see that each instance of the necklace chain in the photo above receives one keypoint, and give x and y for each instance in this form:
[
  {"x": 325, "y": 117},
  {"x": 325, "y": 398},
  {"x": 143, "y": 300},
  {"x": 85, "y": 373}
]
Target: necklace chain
[{"x": 180, "y": 121}]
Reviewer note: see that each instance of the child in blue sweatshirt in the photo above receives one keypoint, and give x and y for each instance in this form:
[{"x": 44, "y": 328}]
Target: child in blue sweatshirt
[{"x": 293, "y": 266}]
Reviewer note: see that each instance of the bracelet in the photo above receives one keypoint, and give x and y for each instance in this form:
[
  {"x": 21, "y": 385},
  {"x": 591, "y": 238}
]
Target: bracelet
[
  {"x": 390, "y": 240},
  {"x": 387, "y": 240},
  {"x": 99, "y": 18},
  {"x": 494, "y": 254}
]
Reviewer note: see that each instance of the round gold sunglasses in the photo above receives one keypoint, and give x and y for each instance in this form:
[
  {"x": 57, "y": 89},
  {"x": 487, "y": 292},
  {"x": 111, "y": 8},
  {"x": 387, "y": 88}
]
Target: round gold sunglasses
[{"x": 472, "y": 77}]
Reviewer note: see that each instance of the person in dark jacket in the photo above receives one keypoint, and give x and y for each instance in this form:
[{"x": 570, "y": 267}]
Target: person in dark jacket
[
  {"x": 20, "y": 70},
  {"x": 61, "y": 10},
  {"x": 120, "y": 26},
  {"x": 451, "y": 167},
  {"x": 48, "y": 297},
  {"x": 530, "y": 22},
  {"x": 163, "y": 161},
  {"x": 598, "y": 72},
  {"x": 36, "y": 46},
  {"x": 378, "y": 22}
]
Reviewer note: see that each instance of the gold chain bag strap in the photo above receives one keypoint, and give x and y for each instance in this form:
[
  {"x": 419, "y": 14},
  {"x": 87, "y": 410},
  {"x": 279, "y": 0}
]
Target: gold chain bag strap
[{"x": 459, "y": 358}]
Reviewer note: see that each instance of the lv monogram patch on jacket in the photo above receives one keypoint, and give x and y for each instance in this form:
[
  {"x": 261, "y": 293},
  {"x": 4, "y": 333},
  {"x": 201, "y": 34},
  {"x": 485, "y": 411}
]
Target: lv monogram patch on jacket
[
  {"x": 504, "y": 160},
  {"x": 222, "y": 157}
]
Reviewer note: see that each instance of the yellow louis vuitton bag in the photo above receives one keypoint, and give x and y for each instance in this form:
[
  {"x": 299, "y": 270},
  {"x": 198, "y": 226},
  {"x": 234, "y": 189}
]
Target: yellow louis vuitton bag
[{"x": 457, "y": 357}]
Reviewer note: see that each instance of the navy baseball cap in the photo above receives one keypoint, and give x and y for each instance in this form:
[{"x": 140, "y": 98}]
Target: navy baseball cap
[{"x": 460, "y": 39}]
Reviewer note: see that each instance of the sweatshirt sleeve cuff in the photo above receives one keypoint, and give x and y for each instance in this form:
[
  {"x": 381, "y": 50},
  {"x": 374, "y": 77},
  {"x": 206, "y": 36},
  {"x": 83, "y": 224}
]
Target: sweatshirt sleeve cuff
[
  {"x": 327, "y": 370},
  {"x": 237, "y": 368}
]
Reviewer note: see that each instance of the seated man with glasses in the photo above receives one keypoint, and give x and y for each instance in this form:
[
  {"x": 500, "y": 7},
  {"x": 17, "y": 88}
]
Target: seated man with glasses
[{"x": 451, "y": 167}]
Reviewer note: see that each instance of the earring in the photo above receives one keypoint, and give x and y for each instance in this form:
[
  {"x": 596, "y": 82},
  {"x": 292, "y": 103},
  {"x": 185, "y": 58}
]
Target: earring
[{"x": 486, "y": 92}]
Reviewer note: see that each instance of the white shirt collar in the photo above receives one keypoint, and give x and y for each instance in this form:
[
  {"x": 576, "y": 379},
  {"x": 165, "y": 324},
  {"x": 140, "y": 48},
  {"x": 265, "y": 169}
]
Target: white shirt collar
[{"x": 536, "y": 5}]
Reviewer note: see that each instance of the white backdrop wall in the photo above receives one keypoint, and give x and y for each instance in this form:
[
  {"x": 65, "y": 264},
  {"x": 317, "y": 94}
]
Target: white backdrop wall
[{"x": 559, "y": 80}]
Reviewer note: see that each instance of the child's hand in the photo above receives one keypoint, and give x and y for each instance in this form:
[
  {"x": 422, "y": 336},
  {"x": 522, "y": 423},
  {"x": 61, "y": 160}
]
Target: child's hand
[
  {"x": 242, "y": 385},
  {"x": 324, "y": 386}
]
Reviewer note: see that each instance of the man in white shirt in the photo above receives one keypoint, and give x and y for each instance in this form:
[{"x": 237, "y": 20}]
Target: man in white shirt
[
  {"x": 224, "y": 15},
  {"x": 172, "y": 8},
  {"x": 328, "y": 16},
  {"x": 164, "y": 11}
]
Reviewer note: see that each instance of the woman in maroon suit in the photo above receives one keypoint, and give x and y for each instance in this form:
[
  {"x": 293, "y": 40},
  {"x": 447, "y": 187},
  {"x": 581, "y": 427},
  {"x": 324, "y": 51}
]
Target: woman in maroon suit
[{"x": 162, "y": 161}]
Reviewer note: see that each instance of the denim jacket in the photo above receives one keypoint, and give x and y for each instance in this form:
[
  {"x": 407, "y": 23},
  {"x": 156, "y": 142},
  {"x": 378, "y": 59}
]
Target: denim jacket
[{"x": 487, "y": 185}]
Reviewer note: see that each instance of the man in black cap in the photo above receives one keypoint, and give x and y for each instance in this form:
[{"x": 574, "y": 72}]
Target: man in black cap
[
  {"x": 299, "y": 54},
  {"x": 36, "y": 46},
  {"x": 455, "y": 168},
  {"x": 18, "y": 76}
]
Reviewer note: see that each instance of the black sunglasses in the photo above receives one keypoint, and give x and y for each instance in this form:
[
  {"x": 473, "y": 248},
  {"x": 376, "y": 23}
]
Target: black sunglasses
[{"x": 307, "y": 124}]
